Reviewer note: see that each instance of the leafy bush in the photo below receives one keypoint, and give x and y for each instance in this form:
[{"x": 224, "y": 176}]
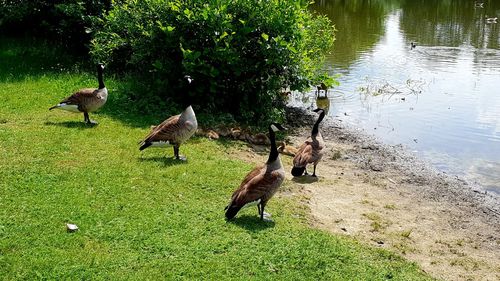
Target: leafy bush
[{"x": 241, "y": 53}]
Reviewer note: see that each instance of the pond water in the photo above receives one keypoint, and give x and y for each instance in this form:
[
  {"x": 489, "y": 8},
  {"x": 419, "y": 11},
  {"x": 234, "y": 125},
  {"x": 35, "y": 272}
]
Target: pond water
[{"x": 442, "y": 98}]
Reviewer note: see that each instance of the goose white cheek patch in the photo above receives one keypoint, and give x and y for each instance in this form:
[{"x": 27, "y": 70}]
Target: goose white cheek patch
[{"x": 274, "y": 128}]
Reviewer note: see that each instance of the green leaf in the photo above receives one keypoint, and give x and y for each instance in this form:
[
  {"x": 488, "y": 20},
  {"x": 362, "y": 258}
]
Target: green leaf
[
  {"x": 158, "y": 64},
  {"x": 214, "y": 72},
  {"x": 195, "y": 55},
  {"x": 265, "y": 36},
  {"x": 223, "y": 35}
]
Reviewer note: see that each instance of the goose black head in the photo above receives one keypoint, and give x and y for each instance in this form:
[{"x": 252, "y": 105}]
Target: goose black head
[
  {"x": 319, "y": 110},
  {"x": 188, "y": 79},
  {"x": 100, "y": 66},
  {"x": 298, "y": 171},
  {"x": 277, "y": 127}
]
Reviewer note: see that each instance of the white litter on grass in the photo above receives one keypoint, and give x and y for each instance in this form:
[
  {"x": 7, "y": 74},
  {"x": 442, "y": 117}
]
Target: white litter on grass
[{"x": 71, "y": 227}]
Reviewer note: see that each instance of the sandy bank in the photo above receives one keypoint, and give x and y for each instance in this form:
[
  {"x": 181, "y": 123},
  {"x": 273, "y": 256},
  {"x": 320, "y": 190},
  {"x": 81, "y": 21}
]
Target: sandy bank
[{"x": 385, "y": 196}]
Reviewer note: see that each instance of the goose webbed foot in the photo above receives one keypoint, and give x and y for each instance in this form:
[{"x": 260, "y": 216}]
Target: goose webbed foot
[
  {"x": 267, "y": 219},
  {"x": 87, "y": 120},
  {"x": 181, "y": 158},
  {"x": 267, "y": 216}
]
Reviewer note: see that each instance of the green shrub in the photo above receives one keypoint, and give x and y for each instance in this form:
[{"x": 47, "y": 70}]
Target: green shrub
[{"x": 241, "y": 53}]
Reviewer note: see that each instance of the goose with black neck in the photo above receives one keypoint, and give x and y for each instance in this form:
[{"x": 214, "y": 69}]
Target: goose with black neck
[
  {"x": 175, "y": 130},
  {"x": 86, "y": 100},
  {"x": 260, "y": 184},
  {"x": 311, "y": 151}
]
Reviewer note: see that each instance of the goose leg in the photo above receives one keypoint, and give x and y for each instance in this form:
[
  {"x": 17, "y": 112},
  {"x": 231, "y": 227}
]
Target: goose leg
[
  {"x": 176, "y": 153},
  {"x": 87, "y": 119},
  {"x": 314, "y": 172},
  {"x": 263, "y": 215}
]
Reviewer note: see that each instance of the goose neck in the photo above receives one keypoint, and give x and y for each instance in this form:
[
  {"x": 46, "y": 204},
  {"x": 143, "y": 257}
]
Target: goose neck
[
  {"x": 99, "y": 77},
  {"x": 315, "y": 129},
  {"x": 273, "y": 154}
]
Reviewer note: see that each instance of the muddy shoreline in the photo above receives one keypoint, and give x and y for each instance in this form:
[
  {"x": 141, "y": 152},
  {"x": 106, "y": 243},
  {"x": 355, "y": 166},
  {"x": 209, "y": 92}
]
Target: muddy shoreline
[
  {"x": 373, "y": 155},
  {"x": 384, "y": 195}
]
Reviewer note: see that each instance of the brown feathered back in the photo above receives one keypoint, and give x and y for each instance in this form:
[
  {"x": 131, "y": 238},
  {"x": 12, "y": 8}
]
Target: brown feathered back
[
  {"x": 311, "y": 151},
  {"x": 261, "y": 183},
  {"x": 175, "y": 130}
]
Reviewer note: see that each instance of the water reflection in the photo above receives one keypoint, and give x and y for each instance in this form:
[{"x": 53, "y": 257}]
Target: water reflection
[
  {"x": 441, "y": 97},
  {"x": 360, "y": 25},
  {"x": 324, "y": 103},
  {"x": 450, "y": 23}
]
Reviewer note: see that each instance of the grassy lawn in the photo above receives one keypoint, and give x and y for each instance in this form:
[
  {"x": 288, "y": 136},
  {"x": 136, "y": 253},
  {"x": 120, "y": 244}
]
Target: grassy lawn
[{"x": 141, "y": 215}]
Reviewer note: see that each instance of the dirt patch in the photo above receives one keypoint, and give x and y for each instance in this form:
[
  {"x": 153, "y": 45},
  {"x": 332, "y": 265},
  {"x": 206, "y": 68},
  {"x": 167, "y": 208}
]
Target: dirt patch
[{"x": 384, "y": 196}]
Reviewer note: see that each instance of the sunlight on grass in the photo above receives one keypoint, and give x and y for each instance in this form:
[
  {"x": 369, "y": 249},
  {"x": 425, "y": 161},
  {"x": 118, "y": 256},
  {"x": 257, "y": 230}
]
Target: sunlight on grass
[{"x": 143, "y": 215}]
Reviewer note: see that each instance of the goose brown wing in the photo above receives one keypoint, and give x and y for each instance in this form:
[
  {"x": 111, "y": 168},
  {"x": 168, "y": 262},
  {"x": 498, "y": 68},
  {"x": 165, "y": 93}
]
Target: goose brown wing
[
  {"x": 165, "y": 130},
  {"x": 303, "y": 156},
  {"x": 255, "y": 185},
  {"x": 80, "y": 97}
]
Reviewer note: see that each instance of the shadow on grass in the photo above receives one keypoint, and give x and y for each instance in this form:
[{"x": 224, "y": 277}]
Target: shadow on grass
[
  {"x": 305, "y": 179},
  {"x": 125, "y": 111},
  {"x": 71, "y": 124},
  {"x": 251, "y": 223},
  {"x": 165, "y": 160}
]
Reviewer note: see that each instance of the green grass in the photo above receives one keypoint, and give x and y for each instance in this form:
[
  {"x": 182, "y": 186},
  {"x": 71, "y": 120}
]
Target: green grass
[{"x": 141, "y": 216}]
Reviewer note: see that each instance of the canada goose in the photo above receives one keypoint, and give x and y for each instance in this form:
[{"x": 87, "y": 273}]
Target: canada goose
[
  {"x": 311, "y": 150},
  {"x": 261, "y": 183},
  {"x": 86, "y": 100},
  {"x": 173, "y": 131},
  {"x": 319, "y": 88},
  {"x": 491, "y": 20},
  {"x": 323, "y": 103},
  {"x": 413, "y": 45}
]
